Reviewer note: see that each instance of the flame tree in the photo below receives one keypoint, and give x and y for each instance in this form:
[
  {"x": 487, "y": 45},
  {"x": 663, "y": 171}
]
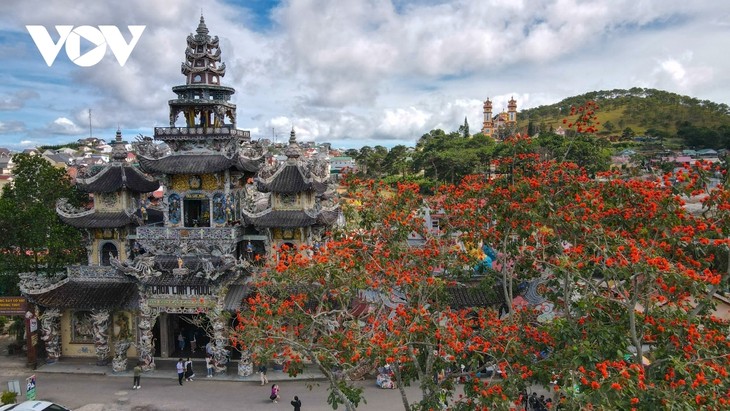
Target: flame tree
[{"x": 631, "y": 275}]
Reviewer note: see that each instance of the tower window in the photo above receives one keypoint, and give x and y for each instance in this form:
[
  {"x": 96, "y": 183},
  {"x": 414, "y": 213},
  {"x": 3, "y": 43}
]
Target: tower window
[
  {"x": 197, "y": 78},
  {"x": 108, "y": 250}
]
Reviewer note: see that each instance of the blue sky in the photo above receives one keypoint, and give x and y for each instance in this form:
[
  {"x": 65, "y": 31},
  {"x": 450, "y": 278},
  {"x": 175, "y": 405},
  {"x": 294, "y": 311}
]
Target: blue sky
[{"x": 356, "y": 72}]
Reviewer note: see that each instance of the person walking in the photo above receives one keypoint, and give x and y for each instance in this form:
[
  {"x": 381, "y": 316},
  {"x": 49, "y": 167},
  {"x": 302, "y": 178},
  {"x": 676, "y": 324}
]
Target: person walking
[
  {"x": 296, "y": 404},
  {"x": 137, "y": 372},
  {"x": 262, "y": 374},
  {"x": 180, "y": 366},
  {"x": 189, "y": 373},
  {"x": 181, "y": 342},
  {"x": 209, "y": 365},
  {"x": 274, "y": 393}
]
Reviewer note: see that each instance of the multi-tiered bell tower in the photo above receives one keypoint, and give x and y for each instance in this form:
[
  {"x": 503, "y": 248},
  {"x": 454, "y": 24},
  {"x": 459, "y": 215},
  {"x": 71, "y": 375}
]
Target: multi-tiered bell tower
[{"x": 202, "y": 100}]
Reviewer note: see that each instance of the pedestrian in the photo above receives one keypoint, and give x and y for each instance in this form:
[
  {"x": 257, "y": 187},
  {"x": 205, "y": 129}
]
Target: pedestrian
[
  {"x": 193, "y": 343},
  {"x": 296, "y": 404},
  {"x": 180, "y": 366},
  {"x": 274, "y": 393},
  {"x": 209, "y": 365},
  {"x": 262, "y": 374},
  {"x": 137, "y": 375},
  {"x": 189, "y": 373},
  {"x": 181, "y": 342}
]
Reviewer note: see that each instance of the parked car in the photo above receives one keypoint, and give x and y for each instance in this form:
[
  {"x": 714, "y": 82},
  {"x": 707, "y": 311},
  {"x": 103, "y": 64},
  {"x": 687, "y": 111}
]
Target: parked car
[{"x": 34, "y": 406}]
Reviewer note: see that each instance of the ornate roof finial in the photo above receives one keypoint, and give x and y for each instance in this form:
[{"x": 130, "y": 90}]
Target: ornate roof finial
[
  {"x": 119, "y": 149},
  {"x": 293, "y": 151},
  {"x": 202, "y": 28}
]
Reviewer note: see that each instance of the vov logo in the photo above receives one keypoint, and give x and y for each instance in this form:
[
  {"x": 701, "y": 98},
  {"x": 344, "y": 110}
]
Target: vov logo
[{"x": 101, "y": 38}]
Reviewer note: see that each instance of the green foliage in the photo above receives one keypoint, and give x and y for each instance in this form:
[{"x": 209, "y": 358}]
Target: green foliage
[
  {"x": 9, "y": 397},
  {"x": 451, "y": 157},
  {"x": 704, "y": 137},
  {"x": 17, "y": 329},
  {"x": 640, "y": 109},
  {"x": 32, "y": 237},
  {"x": 353, "y": 394}
]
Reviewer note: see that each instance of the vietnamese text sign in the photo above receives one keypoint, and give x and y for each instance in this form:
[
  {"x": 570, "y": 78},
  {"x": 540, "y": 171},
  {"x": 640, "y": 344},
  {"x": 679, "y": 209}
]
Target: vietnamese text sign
[
  {"x": 30, "y": 388},
  {"x": 12, "y": 305}
]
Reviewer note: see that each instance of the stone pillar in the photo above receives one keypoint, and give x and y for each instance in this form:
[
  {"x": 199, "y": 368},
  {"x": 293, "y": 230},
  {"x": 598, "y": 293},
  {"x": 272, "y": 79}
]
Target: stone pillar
[
  {"x": 50, "y": 324},
  {"x": 101, "y": 336},
  {"x": 245, "y": 367},
  {"x": 119, "y": 363},
  {"x": 220, "y": 338},
  {"x": 146, "y": 345},
  {"x": 164, "y": 335}
]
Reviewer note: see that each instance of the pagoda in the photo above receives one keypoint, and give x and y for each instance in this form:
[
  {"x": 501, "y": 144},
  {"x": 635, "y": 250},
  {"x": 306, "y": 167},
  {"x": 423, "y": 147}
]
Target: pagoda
[
  {"x": 83, "y": 300},
  {"x": 176, "y": 266},
  {"x": 301, "y": 199}
]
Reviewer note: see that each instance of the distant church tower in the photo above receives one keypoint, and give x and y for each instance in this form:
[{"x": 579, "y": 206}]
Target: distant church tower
[
  {"x": 511, "y": 112},
  {"x": 488, "y": 126},
  {"x": 494, "y": 123}
]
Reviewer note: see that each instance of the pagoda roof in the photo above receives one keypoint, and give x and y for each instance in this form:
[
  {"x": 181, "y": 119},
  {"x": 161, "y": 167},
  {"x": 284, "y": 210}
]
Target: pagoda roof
[
  {"x": 462, "y": 296},
  {"x": 249, "y": 164},
  {"x": 93, "y": 219},
  {"x": 117, "y": 176},
  {"x": 282, "y": 218},
  {"x": 187, "y": 163},
  {"x": 328, "y": 217},
  {"x": 291, "y": 178},
  {"x": 86, "y": 294}
]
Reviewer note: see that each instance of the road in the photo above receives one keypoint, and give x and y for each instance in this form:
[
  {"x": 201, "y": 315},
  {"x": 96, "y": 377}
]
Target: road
[{"x": 113, "y": 393}]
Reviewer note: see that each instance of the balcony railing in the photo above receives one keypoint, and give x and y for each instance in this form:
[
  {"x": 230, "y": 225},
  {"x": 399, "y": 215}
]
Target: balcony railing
[
  {"x": 186, "y": 240},
  {"x": 187, "y": 133}
]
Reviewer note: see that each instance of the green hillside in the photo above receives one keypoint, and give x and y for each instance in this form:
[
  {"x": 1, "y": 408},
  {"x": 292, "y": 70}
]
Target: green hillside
[{"x": 640, "y": 109}]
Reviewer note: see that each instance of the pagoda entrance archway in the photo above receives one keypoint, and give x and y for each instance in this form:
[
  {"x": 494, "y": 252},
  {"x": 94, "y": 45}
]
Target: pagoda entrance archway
[
  {"x": 197, "y": 211},
  {"x": 191, "y": 327}
]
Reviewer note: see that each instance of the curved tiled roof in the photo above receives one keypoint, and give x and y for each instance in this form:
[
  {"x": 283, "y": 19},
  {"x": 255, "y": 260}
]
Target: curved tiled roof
[
  {"x": 186, "y": 163},
  {"x": 290, "y": 179},
  {"x": 116, "y": 176},
  {"x": 249, "y": 164},
  {"x": 328, "y": 217},
  {"x": 282, "y": 218},
  {"x": 470, "y": 297},
  {"x": 93, "y": 219},
  {"x": 94, "y": 294}
]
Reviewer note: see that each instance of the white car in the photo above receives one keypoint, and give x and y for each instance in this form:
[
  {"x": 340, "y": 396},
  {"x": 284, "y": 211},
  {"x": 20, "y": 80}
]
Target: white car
[{"x": 34, "y": 406}]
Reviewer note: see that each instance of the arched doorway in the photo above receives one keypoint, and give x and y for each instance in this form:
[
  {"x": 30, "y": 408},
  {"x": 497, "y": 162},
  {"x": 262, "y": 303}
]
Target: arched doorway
[{"x": 108, "y": 250}]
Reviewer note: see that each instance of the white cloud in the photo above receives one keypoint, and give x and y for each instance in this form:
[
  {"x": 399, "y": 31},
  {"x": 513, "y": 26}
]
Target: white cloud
[
  {"x": 373, "y": 70},
  {"x": 64, "y": 126},
  {"x": 8, "y": 127},
  {"x": 16, "y": 100},
  {"x": 679, "y": 73}
]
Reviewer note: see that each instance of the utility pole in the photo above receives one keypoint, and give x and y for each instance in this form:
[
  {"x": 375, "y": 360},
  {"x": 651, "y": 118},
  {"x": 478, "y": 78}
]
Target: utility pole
[{"x": 89, "y": 123}]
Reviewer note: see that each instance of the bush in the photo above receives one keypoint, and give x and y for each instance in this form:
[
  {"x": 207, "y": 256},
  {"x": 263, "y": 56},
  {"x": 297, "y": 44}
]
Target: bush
[{"x": 9, "y": 397}]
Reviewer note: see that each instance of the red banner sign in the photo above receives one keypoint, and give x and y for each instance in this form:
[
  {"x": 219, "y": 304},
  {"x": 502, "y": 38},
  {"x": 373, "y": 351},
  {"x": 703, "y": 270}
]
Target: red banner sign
[{"x": 13, "y": 305}]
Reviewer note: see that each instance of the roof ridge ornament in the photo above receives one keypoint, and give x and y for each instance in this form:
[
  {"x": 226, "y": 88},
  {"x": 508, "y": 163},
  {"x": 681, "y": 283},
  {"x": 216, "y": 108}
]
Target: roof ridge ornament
[{"x": 202, "y": 28}]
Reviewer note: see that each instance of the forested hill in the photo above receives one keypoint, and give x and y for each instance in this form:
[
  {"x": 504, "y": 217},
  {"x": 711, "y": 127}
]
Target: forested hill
[{"x": 641, "y": 109}]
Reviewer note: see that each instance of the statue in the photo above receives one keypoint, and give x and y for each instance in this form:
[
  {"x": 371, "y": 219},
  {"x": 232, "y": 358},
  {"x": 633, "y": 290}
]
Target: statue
[
  {"x": 119, "y": 363},
  {"x": 123, "y": 341},
  {"x": 49, "y": 328},
  {"x": 245, "y": 366},
  {"x": 101, "y": 335},
  {"x": 146, "y": 346},
  {"x": 142, "y": 267}
]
